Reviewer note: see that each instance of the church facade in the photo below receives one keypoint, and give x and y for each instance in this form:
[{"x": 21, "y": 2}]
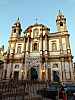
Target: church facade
[{"x": 39, "y": 54}]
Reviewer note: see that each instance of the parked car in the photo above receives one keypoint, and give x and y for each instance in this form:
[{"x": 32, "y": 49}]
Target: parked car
[{"x": 69, "y": 88}]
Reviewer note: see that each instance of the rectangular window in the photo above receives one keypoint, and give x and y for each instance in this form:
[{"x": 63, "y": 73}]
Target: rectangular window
[
  {"x": 54, "y": 46},
  {"x": 68, "y": 76},
  {"x": 16, "y": 66},
  {"x": 19, "y": 49}
]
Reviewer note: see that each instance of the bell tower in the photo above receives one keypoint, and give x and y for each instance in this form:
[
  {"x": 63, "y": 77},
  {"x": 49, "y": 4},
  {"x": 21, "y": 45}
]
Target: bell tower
[
  {"x": 61, "y": 22},
  {"x": 16, "y": 28},
  {"x": 15, "y": 34}
]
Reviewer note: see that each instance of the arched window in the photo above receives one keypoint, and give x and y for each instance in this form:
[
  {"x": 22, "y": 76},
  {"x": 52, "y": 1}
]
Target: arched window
[
  {"x": 35, "y": 46},
  {"x": 54, "y": 47},
  {"x": 61, "y": 23},
  {"x": 14, "y": 30},
  {"x": 19, "y": 49}
]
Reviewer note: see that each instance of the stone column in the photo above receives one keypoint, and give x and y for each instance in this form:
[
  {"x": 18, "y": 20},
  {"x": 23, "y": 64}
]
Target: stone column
[
  {"x": 24, "y": 67},
  {"x": 45, "y": 41},
  {"x": 11, "y": 64},
  {"x": 62, "y": 69},
  {"x": 67, "y": 42},
  {"x": 49, "y": 73},
  {"x": 46, "y": 73},
  {"x": 41, "y": 54},
  {"x": 8, "y": 70},
  {"x": 24, "y": 48},
  {"x": 71, "y": 68},
  {"x": 46, "y": 56},
  {"x": 40, "y": 72},
  {"x": 41, "y": 44},
  {"x": 28, "y": 45},
  {"x": 25, "y": 73},
  {"x": 5, "y": 68}
]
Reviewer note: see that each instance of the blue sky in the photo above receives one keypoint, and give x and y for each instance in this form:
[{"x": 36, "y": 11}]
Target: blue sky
[{"x": 45, "y": 10}]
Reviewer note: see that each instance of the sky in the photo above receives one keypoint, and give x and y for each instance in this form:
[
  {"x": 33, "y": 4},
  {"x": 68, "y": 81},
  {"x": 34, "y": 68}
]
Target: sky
[{"x": 27, "y": 10}]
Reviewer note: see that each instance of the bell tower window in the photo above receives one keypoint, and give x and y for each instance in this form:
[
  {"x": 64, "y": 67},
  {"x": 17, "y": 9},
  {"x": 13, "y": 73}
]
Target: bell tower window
[
  {"x": 14, "y": 30},
  {"x": 61, "y": 23}
]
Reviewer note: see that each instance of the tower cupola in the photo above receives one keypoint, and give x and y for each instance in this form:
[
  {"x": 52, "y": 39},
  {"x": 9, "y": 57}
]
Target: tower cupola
[{"x": 16, "y": 28}]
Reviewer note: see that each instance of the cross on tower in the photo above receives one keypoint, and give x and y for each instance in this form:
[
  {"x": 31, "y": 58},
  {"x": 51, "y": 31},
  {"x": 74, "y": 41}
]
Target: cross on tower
[
  {"x": 36, "y": 19},
  {"x": 18, "y": 19}
]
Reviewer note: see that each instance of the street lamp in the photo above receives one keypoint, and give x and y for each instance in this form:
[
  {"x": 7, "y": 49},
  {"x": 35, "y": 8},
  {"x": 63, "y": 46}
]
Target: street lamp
[{"x": 43, "y": 70}]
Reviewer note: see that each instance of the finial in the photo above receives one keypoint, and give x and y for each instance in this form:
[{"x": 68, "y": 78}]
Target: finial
[
  {"x": 36, "y": 19},
  {"x": 18, "y": 19},
  {"x": 60, "y": 13}
]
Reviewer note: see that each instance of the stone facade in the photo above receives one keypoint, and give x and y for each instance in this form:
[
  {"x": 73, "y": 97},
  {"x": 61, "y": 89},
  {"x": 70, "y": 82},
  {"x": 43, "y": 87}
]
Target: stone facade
[
  {"x": 1, "y": 60},
  {"x": 40, "y": 52}
]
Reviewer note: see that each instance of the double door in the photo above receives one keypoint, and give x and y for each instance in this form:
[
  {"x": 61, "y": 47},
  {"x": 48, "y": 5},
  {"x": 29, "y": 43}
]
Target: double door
[{"x": 16, "y": 75}]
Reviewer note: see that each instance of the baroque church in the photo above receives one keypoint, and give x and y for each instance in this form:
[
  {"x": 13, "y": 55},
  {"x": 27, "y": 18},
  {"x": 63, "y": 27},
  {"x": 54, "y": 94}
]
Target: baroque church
[{"x": 39, "y": 54}]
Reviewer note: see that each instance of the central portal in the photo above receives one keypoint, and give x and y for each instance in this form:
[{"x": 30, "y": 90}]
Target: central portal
[
  {"x": 32, "y": 74},
  {"x": 56, "y": 76},
  {"x": 16, "y": 75}
]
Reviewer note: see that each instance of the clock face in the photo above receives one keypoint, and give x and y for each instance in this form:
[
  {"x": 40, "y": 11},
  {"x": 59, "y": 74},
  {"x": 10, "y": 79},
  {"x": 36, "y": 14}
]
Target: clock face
[{"x": 36, "y": 32}]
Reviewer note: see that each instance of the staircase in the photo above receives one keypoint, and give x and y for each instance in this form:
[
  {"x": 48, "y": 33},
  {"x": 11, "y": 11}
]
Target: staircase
[{"x": 21, "y": 89}]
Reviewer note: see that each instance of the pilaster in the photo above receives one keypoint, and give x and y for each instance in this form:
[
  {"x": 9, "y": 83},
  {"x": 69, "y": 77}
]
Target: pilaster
[
  {"x": 62, "y": 69},
  {"x": 71, "y": 68}
]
